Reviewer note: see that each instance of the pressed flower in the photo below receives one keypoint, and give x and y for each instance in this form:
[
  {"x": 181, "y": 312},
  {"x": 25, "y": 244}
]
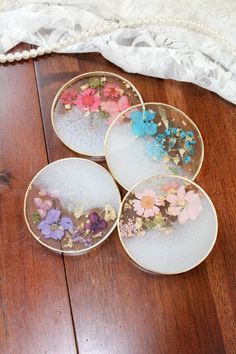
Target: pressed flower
[
  {"x": 53, "y": 226},
  {"x": 130, "y": 228},
  {"x": 142, "y": 123},
  {"x": 116, "y": 107},
  {"x": 185, "y": 205},
  {"x": 69, "y": 97},
  {"x": 147, "y": 203},
  {"x": 155, "y": 149},
  {"x": 110, "y": 214},
  {"x": 171, "y": 186},
  {"x": 112, "y": 90},
  {"x": 42, "y": 206},
  {"x": 95, "y": 223},
  {"x": 88, "y": 100},
  {"x": 78, "y": 212}
]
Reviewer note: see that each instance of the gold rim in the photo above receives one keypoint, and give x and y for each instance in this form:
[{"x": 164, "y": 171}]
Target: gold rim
[
  {"x": 143, "y": 105},
  {"x": 69, "y": 83},
  {"x": 129, "y": 254},
  {"x": 70, "y": 252}
]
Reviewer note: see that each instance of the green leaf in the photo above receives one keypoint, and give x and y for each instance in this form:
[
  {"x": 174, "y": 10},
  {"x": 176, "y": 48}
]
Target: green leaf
[
  {"x": 174, "y": 170},
  {"x": 36, "y": 217},
  {"x": 104, "y": 115},
  {"x": 95, "y": 83}
]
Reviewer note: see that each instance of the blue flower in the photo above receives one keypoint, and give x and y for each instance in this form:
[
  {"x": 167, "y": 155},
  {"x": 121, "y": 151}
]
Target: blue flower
[
  {"x": 190, "y": 134},
  {"x": 187, "y": 159},
  {"x": 155, "y": 149},
  {"x": 182, "y": 134},
  {"x": 142, "y": 123}
]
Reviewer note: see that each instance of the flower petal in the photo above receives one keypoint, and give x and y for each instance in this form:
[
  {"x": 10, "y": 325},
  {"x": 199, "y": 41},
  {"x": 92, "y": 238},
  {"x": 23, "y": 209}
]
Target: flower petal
[
  {"x": 57, "y": 234},
  {"x": 53, "y": 216},
  {"x": 38, "y": 202},
  {"x": 66, "y": 223},
  {"x": 183, "y": 216},
  {"x": 45, "y": 228},
  {"x": 94, "y": 217},
  {"x": 123, "y": 103}
]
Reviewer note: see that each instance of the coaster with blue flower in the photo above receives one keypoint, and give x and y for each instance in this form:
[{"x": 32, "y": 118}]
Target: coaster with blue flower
[
  {"x": 155, "y": 139},
  {"x": 71, "y": 206}
]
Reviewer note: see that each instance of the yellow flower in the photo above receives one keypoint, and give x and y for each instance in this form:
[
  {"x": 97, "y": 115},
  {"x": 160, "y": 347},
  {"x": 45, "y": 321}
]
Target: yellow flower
[
  {"x": 110, "y": 213},
  {"x": 78, "y": 212}
]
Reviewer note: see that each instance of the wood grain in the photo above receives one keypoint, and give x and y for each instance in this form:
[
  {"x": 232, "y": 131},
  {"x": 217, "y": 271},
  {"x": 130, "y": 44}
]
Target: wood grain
[
  {"x": 35, "y": 314},
  {"x": 116, "y": 307}
]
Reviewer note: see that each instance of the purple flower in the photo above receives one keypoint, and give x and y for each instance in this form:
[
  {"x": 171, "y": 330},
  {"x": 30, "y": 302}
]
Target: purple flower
[
  {"x": 77, "y": 237},
  {"x": 96, "y": 224},
  {"x": 53, "y": 227}
]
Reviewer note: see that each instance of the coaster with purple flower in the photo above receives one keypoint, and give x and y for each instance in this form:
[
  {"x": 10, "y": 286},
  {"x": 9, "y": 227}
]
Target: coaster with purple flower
[{"x": 71, "y": 206}]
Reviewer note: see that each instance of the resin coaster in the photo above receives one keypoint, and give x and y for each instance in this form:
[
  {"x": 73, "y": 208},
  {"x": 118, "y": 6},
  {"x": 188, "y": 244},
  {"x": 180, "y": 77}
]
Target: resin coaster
[
  {"x": 85, "y": 107},
  {"x": 153, "y": 139},
  {"x": 71, "y": 206},
  {"x": 167, "y": 224}
]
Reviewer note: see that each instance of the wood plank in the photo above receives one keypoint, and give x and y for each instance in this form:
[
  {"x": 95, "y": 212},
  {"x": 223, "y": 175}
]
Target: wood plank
[
  {"x": 35, "y": 313},
  {"x": 116, "y": 307}
]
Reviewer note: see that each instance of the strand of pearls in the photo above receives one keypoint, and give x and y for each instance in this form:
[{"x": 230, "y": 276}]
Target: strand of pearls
[{"x": 82, "y": 36}]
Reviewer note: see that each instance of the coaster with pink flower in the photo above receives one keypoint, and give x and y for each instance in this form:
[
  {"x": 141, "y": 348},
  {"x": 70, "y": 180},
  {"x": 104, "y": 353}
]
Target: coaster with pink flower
[
  {"x": 71, "y": 206},
  {"x": 85, "y": 106},
  {"x": 167, "y": 224}
]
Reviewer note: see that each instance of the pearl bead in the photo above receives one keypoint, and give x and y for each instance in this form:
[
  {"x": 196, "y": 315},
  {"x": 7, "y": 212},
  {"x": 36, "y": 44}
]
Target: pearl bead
[
  {"x": 25, "y": 54},
  {"x": 3, "y": 58},
  {"x": 33, "y": 53},
  {"x": 10, "y": 57},
  {"x": 48, "y": 49},
  {"x": 18, "y": 56},
  {"x": 40, "y": 51}
]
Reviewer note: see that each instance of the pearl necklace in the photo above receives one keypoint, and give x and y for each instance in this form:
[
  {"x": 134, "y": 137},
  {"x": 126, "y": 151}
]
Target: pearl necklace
[{"x": 170, "y": 21}]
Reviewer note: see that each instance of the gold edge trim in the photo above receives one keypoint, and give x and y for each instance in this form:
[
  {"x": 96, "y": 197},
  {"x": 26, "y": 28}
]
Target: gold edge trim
[
  {"x": 143, "y": 105},
  {"x": 160, "y": 177},
  {"x": 70, "y": 82},
  {"x": 70, "y": 252}
]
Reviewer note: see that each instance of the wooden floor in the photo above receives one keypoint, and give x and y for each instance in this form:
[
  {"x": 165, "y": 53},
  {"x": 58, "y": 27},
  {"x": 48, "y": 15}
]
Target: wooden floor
[{"x": 101, "y": 303}]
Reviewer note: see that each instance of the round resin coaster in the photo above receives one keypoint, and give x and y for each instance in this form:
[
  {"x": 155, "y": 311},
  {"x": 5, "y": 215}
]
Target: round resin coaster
[
  {"x": 85, "y": 107},
  {"x": 153, "y": 139},
  {"x": 167, "y": 224},
  {"x": 71, "y": 205}
]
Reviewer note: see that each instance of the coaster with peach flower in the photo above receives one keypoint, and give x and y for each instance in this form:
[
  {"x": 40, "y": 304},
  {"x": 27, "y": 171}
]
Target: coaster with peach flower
[
  {"x": 85, "y": 107},
  {"x": 71, "y": 206},
  {"x": 155, "y": 139},
  {"x": 167, "y": 224}
]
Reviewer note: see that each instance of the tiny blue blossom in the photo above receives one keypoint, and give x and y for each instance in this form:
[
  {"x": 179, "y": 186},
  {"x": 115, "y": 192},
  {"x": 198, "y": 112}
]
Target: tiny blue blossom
[
  {"x": 142, "y": 123},
  {"x": 187, "y": 159},
  {"x": 155, "y": 150}
]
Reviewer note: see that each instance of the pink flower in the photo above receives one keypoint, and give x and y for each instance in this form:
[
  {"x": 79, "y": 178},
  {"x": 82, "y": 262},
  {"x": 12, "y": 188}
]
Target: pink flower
[
  {"x": 171, "y": 186},
  {"x": 42, "y": 206},
  {"x": 88, "y": 100},
  {"x": 114, "y": 108},
  {"x": 112, "y": 90},
  {"x": 187, "y": 205},
  {"x": 69, "y": 96},
  {"x": 146, "y": 203}
]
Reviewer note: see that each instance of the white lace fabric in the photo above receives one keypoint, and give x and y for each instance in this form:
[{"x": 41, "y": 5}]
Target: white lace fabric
[{"x": 164, "y": 51}]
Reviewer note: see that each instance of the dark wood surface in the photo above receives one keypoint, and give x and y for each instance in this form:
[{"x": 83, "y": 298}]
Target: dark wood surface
[{"x": 101, "y": 303}]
